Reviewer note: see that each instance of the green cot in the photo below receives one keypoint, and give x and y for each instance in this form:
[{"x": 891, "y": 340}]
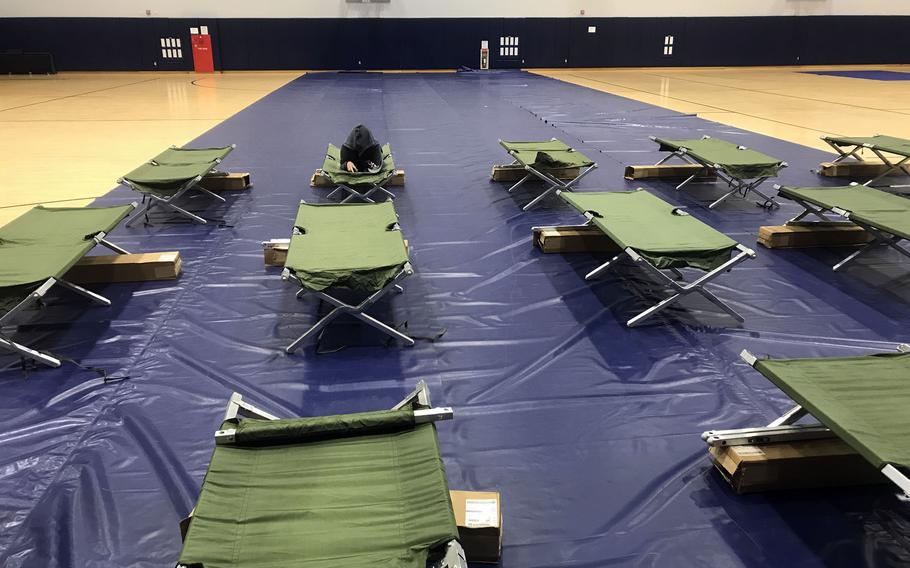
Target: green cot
[
  {"x": 358, "y": 185},
  {"x": 542, "y": 159},
  {"x": 38, "y": 248},
  {"x": 863, "y": 400},
  {"x": 168, "y": 176},
  {"x": 883, "y": 215},
  {"x": 742, "y": 168},
  {"x": 355, "y": 490},
  {"x": 659, "y": 237},
  {"x": 850, "y": 147},
  {"x": 353, "y": 246}
]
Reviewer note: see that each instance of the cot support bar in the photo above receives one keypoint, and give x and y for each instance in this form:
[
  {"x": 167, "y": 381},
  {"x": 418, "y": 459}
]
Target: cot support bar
[
  {"x": 22, "y": 350},
  {"x": 555, "y": 183},
  {"x": 150, "y": 200},
  {"x": 83, "y": 292},
  {"x": 892, "y": 167},
  {"x": 355, "y": 311},
  {"x": 29, "y": 353},
  {"x": 897, "y": 478}
]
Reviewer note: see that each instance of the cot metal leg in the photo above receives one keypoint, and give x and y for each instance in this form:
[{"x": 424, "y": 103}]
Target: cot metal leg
[
  {"x": 29, "y": 353},
  {"x": 683, "y": 289},
  {"x": 892, "y": 167},
  {"x": 112, "y": 246},
  {"x": 85, "y": 293},
  {"x": 723, "y": 198},
  {"x": 355, "y": 311},
  {"x": 211, "y": 194},
  {"x": 789, "y": 417},
  {"x": 604, "y": 267},
  {"x": 555, "y": 184},
  {"x": 520, "y": 182},
  {"x": 897, "y": 478},
  {"x": 665, "y": 159}
]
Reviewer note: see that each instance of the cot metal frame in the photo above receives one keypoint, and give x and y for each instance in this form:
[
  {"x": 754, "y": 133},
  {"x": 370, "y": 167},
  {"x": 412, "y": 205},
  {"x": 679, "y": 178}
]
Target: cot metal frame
[
  {"x": 898, "y": 166},
  {"x": 737, "y": 186},
  {"x": 150, "y": 200},
  {"x": 38, "y": 294},
  {"x": 556, "y": 184},
  {"x": 677, "y": 283},
  {"x": 424, "y": 412},
  {"x": 879, "y": 236},
  {"x": 366, "y": 195},
  {"x": 785, "y": 429},
  {"x": 356, "y": 310}
]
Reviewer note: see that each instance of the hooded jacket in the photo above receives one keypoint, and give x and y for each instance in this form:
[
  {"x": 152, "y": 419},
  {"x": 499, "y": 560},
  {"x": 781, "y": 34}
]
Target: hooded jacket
[{"x": 362, "y": 149}]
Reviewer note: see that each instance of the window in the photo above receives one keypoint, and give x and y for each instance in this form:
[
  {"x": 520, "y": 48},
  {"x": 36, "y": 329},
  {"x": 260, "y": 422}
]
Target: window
[
  {"x": 171, "y": 48},
  {"x": 668, "y": 45},
  {"x": 508, "y": 46}
]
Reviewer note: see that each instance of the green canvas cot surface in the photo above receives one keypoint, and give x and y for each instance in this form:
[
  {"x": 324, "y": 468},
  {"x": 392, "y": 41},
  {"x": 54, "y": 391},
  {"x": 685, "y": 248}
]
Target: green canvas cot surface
[
  {"x": 864, "y": 400},
  {"x": 172, "y": 169},
  {"x": 654, "y": 229},
  {"x": 739, "y": 163},
  {"x": 890, "y": 144},
  {"x": 355, "y": 498},
  {"x": 333, "y": 168},
  {"x": 45, "y": 242},
  {"x": 882, "y": 210},
  {"x": 547, "y": 154},
  {"x": 352, "y": 245}
]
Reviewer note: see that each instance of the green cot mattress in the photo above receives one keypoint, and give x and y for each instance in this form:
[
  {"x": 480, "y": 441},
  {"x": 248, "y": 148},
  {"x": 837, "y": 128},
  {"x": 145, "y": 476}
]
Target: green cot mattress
[
  {"x": 356, "y": 246},
  {"x": 548, "y": 154},
  {"x": 654, "y": 229},
  {"x": 170, "y": 170},
  {"x": 870, "y": 206},
  {"x": 864, "y": 400},
  {"x": 741, "y": 163},
  {"x": 333, "y": 168},
  {"x": 360, "y": 491},
  {"x": 890, "y": 144}
]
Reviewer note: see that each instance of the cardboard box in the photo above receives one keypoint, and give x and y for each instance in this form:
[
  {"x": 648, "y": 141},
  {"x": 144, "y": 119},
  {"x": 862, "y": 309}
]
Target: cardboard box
[
  {"x": 678, "y": 171},
  {"x": 859, "y": 170},
  {"x": 478, "y": 515},
  {"x": 319, "y": 179},
  {"x": 573, "y": 239},
  {"x": 515, "y": 173},
  {"x": 827, "y": 462},
  {"x": 805, "y": 236},
  {"x": 144, "y": 267},
  {"x": 229, "y": 182}
]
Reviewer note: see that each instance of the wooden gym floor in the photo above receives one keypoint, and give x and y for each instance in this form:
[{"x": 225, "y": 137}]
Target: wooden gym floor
[{"x": 68, "y": 137}]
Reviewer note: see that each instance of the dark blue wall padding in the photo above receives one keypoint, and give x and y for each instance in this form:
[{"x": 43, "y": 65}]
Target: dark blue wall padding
[
  {"x": 589, "y": 429},
  {"x": 438, "y": 43}
]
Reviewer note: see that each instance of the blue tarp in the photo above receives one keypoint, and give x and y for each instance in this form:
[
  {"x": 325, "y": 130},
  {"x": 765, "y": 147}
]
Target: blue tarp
[{"x": 590, "y": 430}]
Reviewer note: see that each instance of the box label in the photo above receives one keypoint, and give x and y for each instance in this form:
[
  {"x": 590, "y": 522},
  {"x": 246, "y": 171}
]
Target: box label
[{"x": 481, "y": 513}]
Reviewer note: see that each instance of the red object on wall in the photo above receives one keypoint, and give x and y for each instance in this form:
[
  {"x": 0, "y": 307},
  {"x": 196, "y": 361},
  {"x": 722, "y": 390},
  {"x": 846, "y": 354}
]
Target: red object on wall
[{"x": 202, "y": 53}]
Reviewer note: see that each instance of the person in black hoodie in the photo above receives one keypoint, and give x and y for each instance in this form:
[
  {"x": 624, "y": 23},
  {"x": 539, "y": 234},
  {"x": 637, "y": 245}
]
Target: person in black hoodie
[{"x": 361, "y": 152}]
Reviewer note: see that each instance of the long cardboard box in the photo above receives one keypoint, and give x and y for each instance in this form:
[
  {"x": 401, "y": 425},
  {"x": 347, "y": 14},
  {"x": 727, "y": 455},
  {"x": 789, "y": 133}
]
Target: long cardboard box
[
  {"x": 802, "y": 236},
  {"x": 572, "y": 239},
  {"x": 861, "y": 170},
  {"x": 827, "y": 462},
  {"x": 478, "y": 515},
  {"x": 319, "y": 179},
  {"x": 515, "y": 173},
  {"x": 142, "y": 267},
  {"x": 678, "y": 171},
  {"x": 229, "y": 182}
]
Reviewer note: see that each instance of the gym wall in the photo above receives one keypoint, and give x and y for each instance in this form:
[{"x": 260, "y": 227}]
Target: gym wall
[{"x": 426, "y": 34}]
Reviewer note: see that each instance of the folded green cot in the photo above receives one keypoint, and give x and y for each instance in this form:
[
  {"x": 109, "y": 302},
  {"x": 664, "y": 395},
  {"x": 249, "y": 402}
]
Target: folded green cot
[
  {"x": 353, "y": 246},
  {"x": 363, "y": 490},
  {"x": 880, "y": 145},
  {"x": 883, "y": 215},
  {"x": 38, "y": 248},
  {"x": 743, "y": 169},
  {"x": 862, "y": 400},
  {"x": 659, "y": 237},
  {"x": 359, "y": 185},
  {"x": 541, "y": 159},
  {"x": 166, "y": 177}
]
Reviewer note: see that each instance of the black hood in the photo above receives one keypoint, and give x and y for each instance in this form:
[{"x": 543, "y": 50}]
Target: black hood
[{"x": 360, "y": 140}]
